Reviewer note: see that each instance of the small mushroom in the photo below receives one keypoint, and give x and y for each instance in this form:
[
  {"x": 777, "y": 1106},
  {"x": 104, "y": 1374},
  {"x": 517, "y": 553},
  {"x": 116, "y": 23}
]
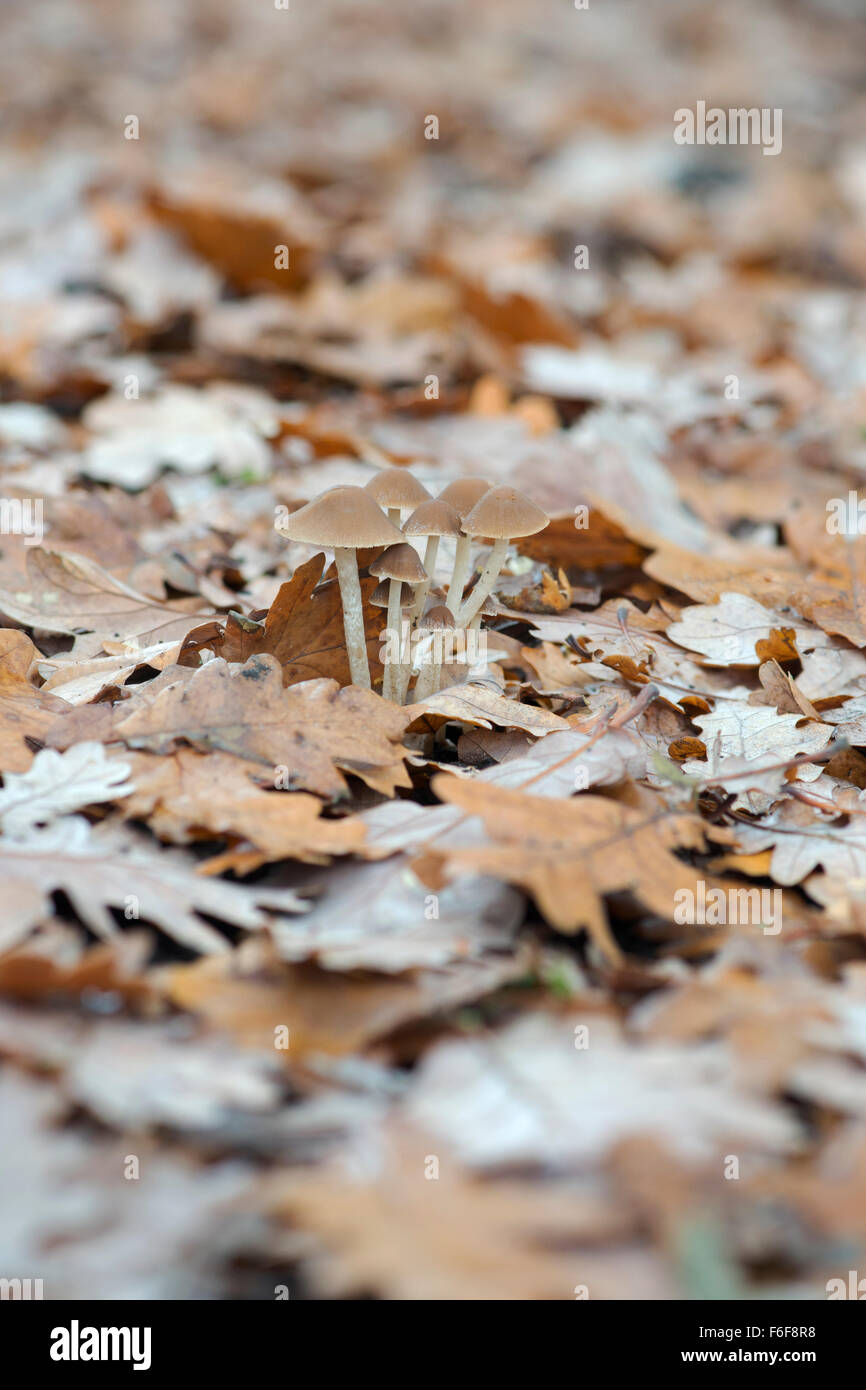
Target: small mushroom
[
  {"x": 439, "y": 619},
  {"x": 399, "y": 564},
  {"x": 344, "y": 520},
  {"x": 433, "y": 518},
  {"x": 397, "y": 490},
  {"x": 503, "y": 513},
  {"x": 462, "y": 495},
  {"x": 382, "y": 593}
]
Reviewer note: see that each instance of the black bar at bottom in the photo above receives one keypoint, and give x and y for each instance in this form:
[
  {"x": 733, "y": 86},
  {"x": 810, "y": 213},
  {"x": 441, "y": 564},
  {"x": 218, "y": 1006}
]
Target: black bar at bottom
[{"x": 80, "y": 1339}]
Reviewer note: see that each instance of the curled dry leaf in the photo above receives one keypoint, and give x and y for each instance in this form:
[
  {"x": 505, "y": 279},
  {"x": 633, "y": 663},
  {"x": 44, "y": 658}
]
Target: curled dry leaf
[
  {"x": 71, "y": 594},
  {"x": 479, "y": 705},
  {"x": 188, "y": 794}
]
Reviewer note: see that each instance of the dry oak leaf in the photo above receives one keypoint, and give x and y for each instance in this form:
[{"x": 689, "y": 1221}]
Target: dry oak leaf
[
  {"x": 304, "y": 629},
  {"x": 478, "y": 704},
  {"x": 235, "y": 222},
  {"x": 55, "y": 965},
  {"x": 527, "y": 1096},
  {"x": 315, "y": 730},
  {"x": 98, "y": 872},
  {"x": 569, "y": 854},
  {"x": 803, "y": 838},
  {"x": 739, "y": 631},
  {"x": 752, "y": 739},
  {"x": 212, "y": 793},
  {"x": 80, "y": 682},
  {"x": 768, "y": 576},
  {"x": 835, "y": 595},
  {"x": 378, "y": 1227},
  {"x": 328, "y": 1013},
  {"x": 375, "y": 917},
  {"x": 57, "y": 783},
  {"x": 26, "y": 714},
  {"x": 71, "y": 594}
]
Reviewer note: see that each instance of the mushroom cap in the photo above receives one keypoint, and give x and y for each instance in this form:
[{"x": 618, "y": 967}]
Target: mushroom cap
[
  {"x": 463, "y": 494},
  {"x": 342, "y": 517},
  {"x": 437, "y": 619},
  {"x": 433, "y": 518},
  {"x": 396, "y": 487},
  {"x": 399, "y": 562},
  {"x": 504, "y": 512},
  {"x": 381, "y": 595}
]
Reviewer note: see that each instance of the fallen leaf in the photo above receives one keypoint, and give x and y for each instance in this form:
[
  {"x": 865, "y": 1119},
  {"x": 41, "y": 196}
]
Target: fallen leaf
[{"x": 315, "y": 730}]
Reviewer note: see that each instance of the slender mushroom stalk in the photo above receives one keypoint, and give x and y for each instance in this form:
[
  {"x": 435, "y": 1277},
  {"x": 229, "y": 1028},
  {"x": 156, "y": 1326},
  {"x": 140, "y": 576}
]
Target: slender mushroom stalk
[
  {"x": 459, "y": 574},
  {"x": 344, "y": 520},
  {"x": 502, "y": 514},
  {"x": 431, "y": 550},
  {"x": 462, "y": 495},
  {"x": 484, "y": 587},
  {"x": 346, "y": 560},
  {"x": 400, "y": 565},
  {"x": 432, "y": 519},
  {"x": 438, "y": 621}
]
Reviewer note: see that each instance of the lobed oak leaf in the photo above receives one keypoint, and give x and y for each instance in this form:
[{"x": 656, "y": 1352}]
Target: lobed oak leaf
[
  {"x": 57, "y": 783},
  {"x": 189, "y": 793},
  {"x": 315, "y": 730},
  {"x": 303, "y": 629},
  {"x": 569, "y": 854},
  {"x": 72, "y": 594},
  {"x": 98, "y": 872}
]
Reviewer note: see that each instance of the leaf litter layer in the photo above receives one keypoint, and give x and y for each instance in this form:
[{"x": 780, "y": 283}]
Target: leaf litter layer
[{"x": 548, "y": 973}]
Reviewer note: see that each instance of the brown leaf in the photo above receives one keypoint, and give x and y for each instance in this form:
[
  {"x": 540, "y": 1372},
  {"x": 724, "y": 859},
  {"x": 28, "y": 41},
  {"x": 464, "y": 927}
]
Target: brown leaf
[
  {"x": 304, "y": 629},
  {"x": 25, "y": 712},
  {"x": 324, "y": 1012},
  {"x": 315, "y": 730},
  {"x": 568, "y": 854},
  {"x": 71, "y": 594},
  {"x": 212, "y": 793}
]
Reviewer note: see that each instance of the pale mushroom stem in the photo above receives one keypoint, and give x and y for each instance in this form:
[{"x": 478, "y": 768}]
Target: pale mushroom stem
[
  {"x": 459, "y": 575},
  {"x": 346, "y": 561},
  {"x": 391, "y": 681},
  {"x": 428, "y": 682},
  {"x": 404, "y": 675},
  {"x": 394, "y": 515},
  {"x": 424, "y": 587},
  {"x": 484, "y": 587}
]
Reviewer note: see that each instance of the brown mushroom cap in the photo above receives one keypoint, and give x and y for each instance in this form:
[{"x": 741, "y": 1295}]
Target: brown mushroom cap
[
  {"x": 437, "y": 619},
  {"x": 342, "y": 517},
  {"x": 396, "y": 487},
  {"x": 504, "y": 512},
  {"x": 463, "y": 494},
  {"x": 433, "y": 518},
  {"x": 399, "y": 562},
  {"x": 381, "y": 594}
]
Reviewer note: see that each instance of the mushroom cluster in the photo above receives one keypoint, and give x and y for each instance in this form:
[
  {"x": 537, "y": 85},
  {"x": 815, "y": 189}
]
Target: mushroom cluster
[{"x": 348, "y": 519}]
